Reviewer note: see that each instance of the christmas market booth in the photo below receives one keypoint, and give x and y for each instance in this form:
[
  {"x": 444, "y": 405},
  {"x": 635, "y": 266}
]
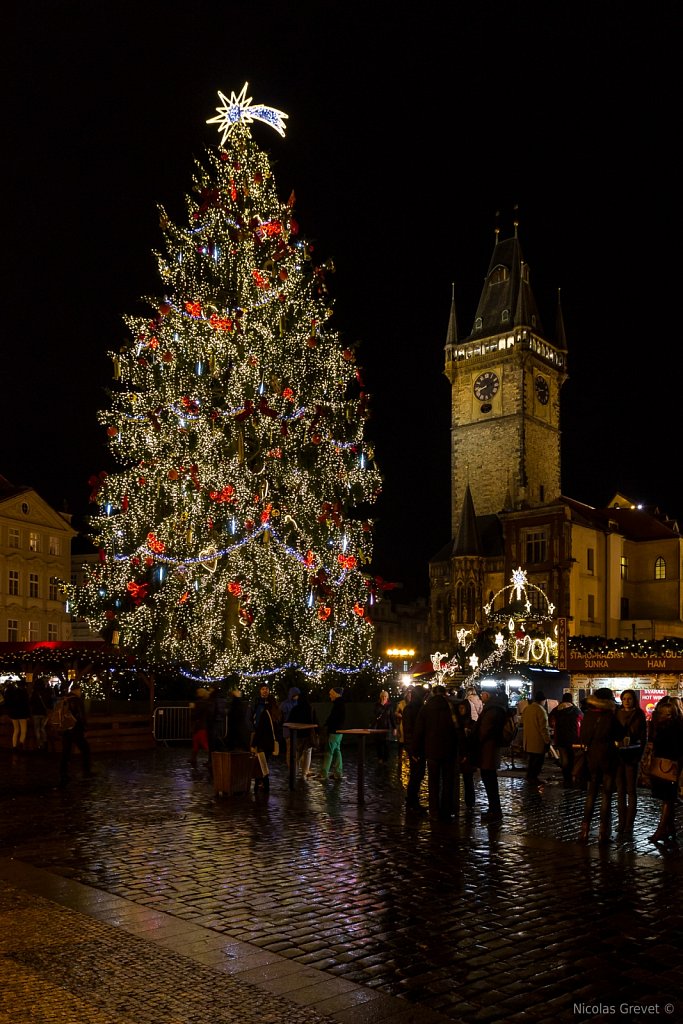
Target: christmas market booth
[
  {"x": 653, "y": 668},
  {"x": 119, "y": 693}
]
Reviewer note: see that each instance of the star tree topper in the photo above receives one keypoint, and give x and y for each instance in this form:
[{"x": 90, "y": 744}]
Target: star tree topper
[{"x": 239, "y": 108}]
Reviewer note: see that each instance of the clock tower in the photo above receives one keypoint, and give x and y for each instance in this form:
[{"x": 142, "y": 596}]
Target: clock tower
[{"x": 505, "y": 381}]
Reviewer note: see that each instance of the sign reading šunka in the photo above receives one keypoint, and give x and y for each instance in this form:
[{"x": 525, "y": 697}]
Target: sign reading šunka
[
  {"x": 570, "y": 659},
  {"x": 616, "y": 661}
]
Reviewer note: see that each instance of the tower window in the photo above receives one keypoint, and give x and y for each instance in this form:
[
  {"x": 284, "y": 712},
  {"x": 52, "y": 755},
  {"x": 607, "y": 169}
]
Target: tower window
[
  {"x": 591, "y": 607},
  {"x": 535, "y": 546},
  {"x": 660, "y": 568},
  {"x": 478, "y": 324},
  {"x": 505, "y": 315},
  {"x": 590, "y": 560},
  {"x": 499, "y": 275},
  {"x": 623, "y": 567}
]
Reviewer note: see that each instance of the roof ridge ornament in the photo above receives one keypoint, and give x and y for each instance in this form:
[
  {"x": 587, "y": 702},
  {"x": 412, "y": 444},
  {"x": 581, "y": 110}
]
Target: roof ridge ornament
[{"x": 239, "y": 108}]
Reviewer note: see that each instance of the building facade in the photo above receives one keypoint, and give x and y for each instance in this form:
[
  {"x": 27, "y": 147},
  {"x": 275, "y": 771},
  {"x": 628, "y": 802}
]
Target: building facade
[{"x": 35, "y": 560}]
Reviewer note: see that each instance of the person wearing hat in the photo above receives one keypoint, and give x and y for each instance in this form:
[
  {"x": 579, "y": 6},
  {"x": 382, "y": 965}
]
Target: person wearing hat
[
  {"x": 333, "y": 765},
  {"x": 600, "y": 734},
  {"x": 75, "y": 735}
]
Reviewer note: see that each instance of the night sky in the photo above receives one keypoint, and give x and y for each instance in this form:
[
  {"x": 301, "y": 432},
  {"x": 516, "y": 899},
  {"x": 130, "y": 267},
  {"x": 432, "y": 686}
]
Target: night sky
[{"x": 409, "y": 138}]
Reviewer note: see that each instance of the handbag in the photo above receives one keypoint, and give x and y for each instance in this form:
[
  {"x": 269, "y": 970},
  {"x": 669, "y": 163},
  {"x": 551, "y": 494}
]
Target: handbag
[
  {"x": 580, "y": 764},
  {"x": 663, "y": 768},
  {"x": 259, "y": 765},
  {"x": 644, "y": 766}
]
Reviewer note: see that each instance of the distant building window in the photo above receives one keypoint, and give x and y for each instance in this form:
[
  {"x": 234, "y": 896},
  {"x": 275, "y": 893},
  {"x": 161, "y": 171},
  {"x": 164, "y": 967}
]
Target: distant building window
[
  {"x": 33, "y": 584},
  {"x": 53, "y": 547},
  {"x": 13, "y": 583},
  {"x": 53, "y": 590},
  {"x": 13, "y": 537},
  {"x": 34, "y": 541},
  {"x": 660, "y": 569},
  {"x": 535, "y": 546},
  {"x": 624, "y": 608},
  {"x": 52, "y": 631},
  {"x": 537, "y": 598},
  {"x": 623, "y": 566},
  {"x": 591, "y": 607},
  {"x": 33, "y": 631},
  {"x": 590, "y": 560},
  {"x": 12, "y": 631}
]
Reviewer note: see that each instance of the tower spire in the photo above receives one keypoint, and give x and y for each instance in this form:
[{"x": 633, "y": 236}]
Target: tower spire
[{"x": 452, "y": 332}]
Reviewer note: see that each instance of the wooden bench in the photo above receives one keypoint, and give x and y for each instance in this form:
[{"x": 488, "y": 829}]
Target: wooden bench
[{"x": 104, "y": 733}]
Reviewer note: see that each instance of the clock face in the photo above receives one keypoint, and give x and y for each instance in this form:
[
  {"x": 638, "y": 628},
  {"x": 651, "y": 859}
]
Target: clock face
[
  {"x": 542, "y": 390},
  {"x": 486, "y": 386}
]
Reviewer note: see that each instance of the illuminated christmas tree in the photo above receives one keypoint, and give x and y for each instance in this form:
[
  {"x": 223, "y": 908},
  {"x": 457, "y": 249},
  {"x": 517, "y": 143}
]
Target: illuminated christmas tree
[{"x": 235, "y": 536}]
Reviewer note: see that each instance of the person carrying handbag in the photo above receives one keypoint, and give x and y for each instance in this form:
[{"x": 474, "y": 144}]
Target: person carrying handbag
[{"x": 666, "y": 736}]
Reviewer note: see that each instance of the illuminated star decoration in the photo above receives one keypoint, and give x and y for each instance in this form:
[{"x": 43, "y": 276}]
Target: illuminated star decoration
[{"x": 239, "y": 108}]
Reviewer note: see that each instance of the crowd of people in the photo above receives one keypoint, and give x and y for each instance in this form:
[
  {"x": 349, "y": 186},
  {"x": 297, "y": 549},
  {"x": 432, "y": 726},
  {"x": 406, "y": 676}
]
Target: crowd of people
[{"x": 605, "y": 747}]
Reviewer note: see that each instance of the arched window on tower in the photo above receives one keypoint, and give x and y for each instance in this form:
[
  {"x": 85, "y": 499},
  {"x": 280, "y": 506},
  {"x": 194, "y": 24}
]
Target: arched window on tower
[
  {"x": 459, "y": 602},
  {"x": 660, "y": 568},
  {"x": 505, "y": 315},
  {"x": 471, "y": 600}
]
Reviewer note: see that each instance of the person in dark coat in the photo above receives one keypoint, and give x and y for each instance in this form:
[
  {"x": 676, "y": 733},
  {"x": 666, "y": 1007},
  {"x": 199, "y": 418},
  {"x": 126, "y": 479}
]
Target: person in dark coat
[
  {"x": 565, "y": 723},
  {"x": 306, "y": 739},
  {"x": 18, "y": 707},
  {"x": 202, "y": 712},
  {"x": 489, "y": 739},
  {"x": 633, "y": 737},
  {"x": 417, "y": 764},
  {"x": 238, "y": 733},
  {"x": 41, "y": 704},
  {"x": 264, "y": 716},
  {"x": 76, "y": 736},
  {"x": 286, "y": 707},
  {"x": 467, "y": 748},
  {"x": 666, "y": 735},
  {"x": 600, "y": 734},
  {"x": 333, "y": 765},
  {"x": 436, "y": 737},
  {"x": 383, "y": 719}
]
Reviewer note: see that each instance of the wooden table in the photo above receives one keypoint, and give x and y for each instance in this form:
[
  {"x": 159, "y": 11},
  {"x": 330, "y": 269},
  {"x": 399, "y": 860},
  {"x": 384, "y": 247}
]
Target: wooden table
[
  {"x": 295, "y": 727},
  {"x": 362, "y": 733}
]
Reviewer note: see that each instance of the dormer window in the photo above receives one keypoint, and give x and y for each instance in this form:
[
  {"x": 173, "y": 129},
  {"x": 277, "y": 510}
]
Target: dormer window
[
  {"x": 478, "y": 324},
  {"x": 505, "y": 316},
  {"x": 525, "y": 273},
  {"x": 498, "y": 275}
]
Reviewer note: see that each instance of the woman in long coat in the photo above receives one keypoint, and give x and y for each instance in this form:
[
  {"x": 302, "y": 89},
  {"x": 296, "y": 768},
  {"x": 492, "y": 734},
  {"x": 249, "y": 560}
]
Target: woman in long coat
[
  {"x": 489, "y": 739},
  {"x": 633, "y": 724},
  {"x": 666, "y": 734},
  {"x": 600, "y": 737}
]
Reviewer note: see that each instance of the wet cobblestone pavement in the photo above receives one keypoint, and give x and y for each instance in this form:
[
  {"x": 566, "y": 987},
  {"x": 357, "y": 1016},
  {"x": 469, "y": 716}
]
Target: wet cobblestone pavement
[{"x": 139, "y": 896}]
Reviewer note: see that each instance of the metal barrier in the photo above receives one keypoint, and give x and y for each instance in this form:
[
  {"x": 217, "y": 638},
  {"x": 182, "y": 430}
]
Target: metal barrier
[
  {"x": 175, "y": 723},
  {"x": 172, "y": 723}
]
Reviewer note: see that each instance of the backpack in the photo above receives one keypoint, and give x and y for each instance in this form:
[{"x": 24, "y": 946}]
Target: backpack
[
  {"x": 509, "y": 730},
  {"x": 62, "y": 717}
]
